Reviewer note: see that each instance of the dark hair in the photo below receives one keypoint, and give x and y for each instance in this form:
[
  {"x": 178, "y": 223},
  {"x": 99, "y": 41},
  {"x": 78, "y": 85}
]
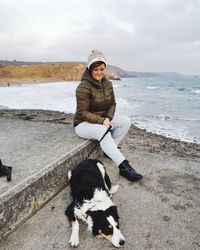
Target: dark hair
[{"x": 95, "y": 64}]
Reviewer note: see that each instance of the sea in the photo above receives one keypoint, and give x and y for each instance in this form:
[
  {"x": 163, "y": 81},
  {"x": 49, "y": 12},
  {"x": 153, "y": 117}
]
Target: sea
[{"x": 167, "y": 104}]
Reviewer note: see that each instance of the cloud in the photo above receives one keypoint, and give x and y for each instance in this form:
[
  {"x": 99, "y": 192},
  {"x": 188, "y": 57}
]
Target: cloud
[{"x": 158, "y": 35}]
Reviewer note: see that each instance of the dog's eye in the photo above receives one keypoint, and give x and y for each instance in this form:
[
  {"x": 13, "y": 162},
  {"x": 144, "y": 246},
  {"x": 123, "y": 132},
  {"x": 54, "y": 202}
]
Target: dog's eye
[{"x": 108, "y": 230}]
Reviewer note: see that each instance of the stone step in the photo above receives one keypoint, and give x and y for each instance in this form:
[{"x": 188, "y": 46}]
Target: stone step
[{"x": 40, "y": 153}]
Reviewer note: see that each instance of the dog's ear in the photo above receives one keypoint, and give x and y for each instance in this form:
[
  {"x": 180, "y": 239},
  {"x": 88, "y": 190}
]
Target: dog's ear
[
  {"x": 96, "y": 218},
  {"x": 113, "y": 211}
]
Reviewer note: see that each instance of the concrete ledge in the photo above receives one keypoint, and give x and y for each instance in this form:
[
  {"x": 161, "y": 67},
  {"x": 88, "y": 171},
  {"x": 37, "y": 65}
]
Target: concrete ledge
[{"x": 24, "y": 198}]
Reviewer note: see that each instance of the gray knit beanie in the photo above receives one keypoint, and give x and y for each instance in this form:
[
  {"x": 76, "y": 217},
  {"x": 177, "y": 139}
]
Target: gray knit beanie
[{"x": 95, "y": 56}]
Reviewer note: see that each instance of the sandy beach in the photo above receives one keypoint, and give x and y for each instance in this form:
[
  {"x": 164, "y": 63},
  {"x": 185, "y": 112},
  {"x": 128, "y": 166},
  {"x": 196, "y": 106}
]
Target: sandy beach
[{"x": 16, "y": 82}]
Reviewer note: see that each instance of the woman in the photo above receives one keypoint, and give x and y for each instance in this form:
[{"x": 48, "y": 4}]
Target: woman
[{"x": 95, "y": 114}]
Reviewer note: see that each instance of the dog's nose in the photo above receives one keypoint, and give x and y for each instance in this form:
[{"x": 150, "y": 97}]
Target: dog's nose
[{"x": 122, "y": 242}]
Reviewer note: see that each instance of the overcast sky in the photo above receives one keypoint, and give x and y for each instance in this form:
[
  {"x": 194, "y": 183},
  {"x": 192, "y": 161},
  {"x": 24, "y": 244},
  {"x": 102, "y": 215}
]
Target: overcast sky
[{"x": 139, "y": 35}]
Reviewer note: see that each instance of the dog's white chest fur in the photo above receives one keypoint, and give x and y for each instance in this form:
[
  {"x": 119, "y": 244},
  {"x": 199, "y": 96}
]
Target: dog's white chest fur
[{"x": 100, "y": 201}]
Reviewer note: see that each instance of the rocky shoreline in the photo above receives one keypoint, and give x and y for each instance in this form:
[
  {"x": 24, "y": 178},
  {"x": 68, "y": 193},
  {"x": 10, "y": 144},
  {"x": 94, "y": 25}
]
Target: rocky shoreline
[{"x": 137, "y": 139}]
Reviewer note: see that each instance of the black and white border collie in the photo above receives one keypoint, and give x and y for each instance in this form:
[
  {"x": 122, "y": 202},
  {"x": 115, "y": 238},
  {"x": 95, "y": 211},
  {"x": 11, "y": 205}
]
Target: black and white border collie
[{"x": 91, "y": 193}]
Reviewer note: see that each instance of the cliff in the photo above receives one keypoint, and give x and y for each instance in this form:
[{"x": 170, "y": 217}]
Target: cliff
[
  {"x": 19, "y": 71},
  {"x": 48, "y": 72}
]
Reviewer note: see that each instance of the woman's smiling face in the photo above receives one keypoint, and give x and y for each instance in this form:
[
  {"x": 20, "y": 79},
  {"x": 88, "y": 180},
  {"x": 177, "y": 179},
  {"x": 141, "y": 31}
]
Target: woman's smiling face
[{"x": 98, "y": 72}]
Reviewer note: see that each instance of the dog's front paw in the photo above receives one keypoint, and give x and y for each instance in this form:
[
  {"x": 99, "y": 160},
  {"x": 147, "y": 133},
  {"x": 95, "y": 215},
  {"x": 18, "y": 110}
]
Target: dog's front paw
[
  {"x": 74, "y": 240},
  {"x": 114, "y": 189}
]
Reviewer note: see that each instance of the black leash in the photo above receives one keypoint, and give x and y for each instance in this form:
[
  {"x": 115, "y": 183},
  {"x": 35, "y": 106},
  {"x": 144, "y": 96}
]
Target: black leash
[{"x": 98, "y": 142}]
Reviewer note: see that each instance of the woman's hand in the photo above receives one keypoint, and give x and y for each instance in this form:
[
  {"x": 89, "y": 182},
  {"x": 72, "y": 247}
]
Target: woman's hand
[{"x": 107, "y": 123}]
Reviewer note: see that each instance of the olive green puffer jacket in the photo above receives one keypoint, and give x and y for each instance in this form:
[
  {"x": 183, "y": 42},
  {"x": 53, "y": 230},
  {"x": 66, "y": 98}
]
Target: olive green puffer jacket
[{"x": 95, "y": 100}]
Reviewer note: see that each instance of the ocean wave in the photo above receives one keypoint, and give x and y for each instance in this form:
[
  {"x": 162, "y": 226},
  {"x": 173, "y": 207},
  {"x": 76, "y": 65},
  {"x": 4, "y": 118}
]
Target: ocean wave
[
  {"x": 168, "y": 130},
  {"x": 152, "y": 87},
  {"x": 166, "y": 118},
  {"x": 122, "y": 86},
  {"x": 184, "y": 89},
  {"x": 192, "y": 90},
  {"x": 125, "y": 105},
  {"x": 195, "y": 91},
  {"x": 187, "y": 119},
  {"x": 181, "y": 134},
  {"x": 126, "y": 86}
]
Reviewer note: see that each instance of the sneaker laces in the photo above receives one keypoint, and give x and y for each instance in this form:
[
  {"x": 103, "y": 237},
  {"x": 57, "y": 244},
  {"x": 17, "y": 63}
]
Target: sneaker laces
[{"x": 128, "y": 167}]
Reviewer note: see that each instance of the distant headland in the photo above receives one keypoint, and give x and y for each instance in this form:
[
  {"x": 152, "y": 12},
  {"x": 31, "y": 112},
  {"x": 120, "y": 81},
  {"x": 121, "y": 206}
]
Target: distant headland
[{"x": 21, "y": 71}]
